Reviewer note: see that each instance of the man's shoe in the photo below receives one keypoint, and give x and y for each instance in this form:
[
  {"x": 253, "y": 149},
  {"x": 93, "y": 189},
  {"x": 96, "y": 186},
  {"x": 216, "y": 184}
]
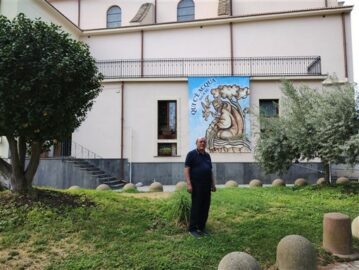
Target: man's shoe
[
  {"x": 195, "y": 234},
  {"x": 204, "y": 233}
]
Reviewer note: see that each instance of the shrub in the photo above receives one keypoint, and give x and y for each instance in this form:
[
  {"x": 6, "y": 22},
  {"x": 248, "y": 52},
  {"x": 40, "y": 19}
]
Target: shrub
[{"x": 179, "y": 206}]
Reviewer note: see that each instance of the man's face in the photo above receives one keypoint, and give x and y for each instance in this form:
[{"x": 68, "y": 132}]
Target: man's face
[{"x": 201, "y": 144}]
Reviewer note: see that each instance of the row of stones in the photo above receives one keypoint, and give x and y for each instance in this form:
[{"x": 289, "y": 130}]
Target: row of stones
[
  {"x": 157, "y": 187},
  {"x": 295, "y": 252}
]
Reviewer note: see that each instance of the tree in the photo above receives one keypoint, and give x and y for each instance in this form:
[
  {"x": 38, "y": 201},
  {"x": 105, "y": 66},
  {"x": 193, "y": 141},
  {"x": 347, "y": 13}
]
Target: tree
[
  {"x": 48, "y": 82},
  {"x": 313, "y": 124}
]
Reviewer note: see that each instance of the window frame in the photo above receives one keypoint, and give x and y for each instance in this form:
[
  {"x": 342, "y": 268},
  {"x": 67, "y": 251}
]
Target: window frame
[
  {"x": 181, "y": 18},
  {"x": 107, "y": 17},
  {"x": 169, "y": 141},
  {"x": 273, "y": 100}
]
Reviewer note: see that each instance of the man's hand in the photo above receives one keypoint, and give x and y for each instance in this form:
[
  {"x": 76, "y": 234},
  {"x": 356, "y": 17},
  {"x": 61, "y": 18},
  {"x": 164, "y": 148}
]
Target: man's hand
[
  {"x": 189, "y": 188},
  {"x": 213, "y": 188}
]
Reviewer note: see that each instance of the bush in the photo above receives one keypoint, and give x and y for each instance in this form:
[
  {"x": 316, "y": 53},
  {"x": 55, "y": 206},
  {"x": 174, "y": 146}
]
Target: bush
[{"x": 179, "y": 207}]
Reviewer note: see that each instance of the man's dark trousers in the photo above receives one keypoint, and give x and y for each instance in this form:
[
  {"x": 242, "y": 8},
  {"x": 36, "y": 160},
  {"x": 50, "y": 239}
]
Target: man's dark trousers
[{"x": 201, "y": 200}]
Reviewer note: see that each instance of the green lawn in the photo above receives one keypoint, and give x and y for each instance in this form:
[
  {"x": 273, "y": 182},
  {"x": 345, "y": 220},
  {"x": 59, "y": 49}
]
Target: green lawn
[{"x": 108, "y": 230}]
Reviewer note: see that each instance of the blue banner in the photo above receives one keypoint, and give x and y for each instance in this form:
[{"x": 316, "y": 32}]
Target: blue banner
[{"x": 219, "y": 111}]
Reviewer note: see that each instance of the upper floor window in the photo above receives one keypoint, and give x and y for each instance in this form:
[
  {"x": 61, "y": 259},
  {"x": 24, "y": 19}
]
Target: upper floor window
[
  {"x": 185, "y": 10},
  {"x": 114, "y": 17}
]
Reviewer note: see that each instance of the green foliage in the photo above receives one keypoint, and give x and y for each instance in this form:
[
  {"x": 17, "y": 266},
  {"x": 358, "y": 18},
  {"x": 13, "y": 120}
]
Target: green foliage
[
  {"x": 47, "y": 80},
  {"x": 312, "y": 124},
  {"x": 179, "y": 207}
]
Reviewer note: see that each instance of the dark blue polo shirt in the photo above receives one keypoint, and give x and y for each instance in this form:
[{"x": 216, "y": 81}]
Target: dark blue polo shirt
[{"x": 200, "y": 167}]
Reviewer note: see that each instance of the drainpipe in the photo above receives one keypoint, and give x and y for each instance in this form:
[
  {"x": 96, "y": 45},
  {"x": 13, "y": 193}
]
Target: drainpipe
[
  {"x": 326, "y": 3},
  {"x": 231, "y": 46},
  {"x": 231, "y": 6},
  {"x": 122, "y": 163},
  {"x": 141, "y": 53},
  {"x": 344, "y": 36},
  {"x": 155, "y": 11},
  {"x": 78, "y": 13}
]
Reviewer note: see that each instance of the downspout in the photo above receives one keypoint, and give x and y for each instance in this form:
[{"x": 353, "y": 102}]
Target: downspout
[
  {"x": 326, "y": 3},
  {"x": 345, "y": 46},
  {"x": 155, "y": 11},
  {"x": 231, "y": 6},
  {"x": 141, "y": 53},
  {"x": 122, "y": 163},
  {"x": 78, "y": 13},
  {"x": 231, "y": 47}
]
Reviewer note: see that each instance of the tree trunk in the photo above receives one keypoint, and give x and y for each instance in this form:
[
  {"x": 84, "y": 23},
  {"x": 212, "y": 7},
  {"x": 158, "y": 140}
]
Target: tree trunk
[{"x": 21, "y": 179}]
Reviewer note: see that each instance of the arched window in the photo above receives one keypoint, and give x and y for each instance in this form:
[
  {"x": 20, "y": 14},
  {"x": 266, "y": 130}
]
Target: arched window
[
  {"x": 185, "y": 10},
  {"x": 114, "y": 17}
]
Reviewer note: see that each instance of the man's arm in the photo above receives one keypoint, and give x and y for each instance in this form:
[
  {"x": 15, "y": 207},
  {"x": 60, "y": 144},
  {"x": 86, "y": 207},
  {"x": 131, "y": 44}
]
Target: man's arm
[{"x": 188, "y": 179}]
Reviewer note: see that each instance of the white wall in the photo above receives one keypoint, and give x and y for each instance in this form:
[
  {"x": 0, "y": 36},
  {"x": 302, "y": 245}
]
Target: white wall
[
  {"x": 117, "y": 46},
  {"x": 100, "y": 132},
  {"x": 93, "y": 12},
  {"x": 4, "y": 148},
  {"x": 208, "y": 41},
  {"x": 308, "y": 36}
]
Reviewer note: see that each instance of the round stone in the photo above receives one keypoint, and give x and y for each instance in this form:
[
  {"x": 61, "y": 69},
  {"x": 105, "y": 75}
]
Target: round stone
[
  {"x": 294, "y": 252},
  {"x": 238, "y": 261},
  {"x": 300, "y": 182},
  {"x": 156, "y": 187},
  {"x": 355, "y": 227},
  {"x": 181, "y": 186},
  {"x": 278, "y": 183},
  {"x": 129, "y": 187},
  {"x": 337, "y": 236},
  {"x": 322, "y": 182},
  {"x": 103, "y": 187},
  {"x": 255, "y": 183},
  {"x": 231, "y": 184},
  {"x": 74, "y": 187},
  {"x": 342, "y": 181}
]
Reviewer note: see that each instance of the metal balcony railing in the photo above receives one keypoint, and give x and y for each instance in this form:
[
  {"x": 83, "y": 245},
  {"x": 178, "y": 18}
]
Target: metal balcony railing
[{"x": 180, "y": 68}]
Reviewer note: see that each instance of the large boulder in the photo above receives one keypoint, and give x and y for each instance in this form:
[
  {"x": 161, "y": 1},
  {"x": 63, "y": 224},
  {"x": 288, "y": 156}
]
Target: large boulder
[
  {"x": 129, "y": 187},
  {"x": 322, "y": 182},
  {"x": 74, "y": 187},
  {"x": 278, "y": 183},
  {"x": 255, "y": 183},
  {"x": 231, "y": 184},
  {"x": 294, "y": 252},
  {"x": 156, "y": 187},
  {"x": 355, "y": 227},
  {"x": 238, "y": 261},
  {"x": 181, "y": 186},
  {"x": 342, "y": 181},
  {"x": 300, "y": 182},
  {"x": 103, "y": 187}
]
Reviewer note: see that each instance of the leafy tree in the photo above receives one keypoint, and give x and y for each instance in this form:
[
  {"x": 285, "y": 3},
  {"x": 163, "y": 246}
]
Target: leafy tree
[
  {"x": 313, "y": 124},
  {"x": 48, "y": 82}
]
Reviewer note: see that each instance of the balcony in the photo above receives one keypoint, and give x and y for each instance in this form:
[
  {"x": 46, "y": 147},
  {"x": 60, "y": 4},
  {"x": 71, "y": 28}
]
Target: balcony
[{"x": 185, "y": 67}]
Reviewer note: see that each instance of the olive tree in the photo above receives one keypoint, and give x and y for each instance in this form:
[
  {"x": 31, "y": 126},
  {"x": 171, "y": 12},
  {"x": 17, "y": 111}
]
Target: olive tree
[
  {"x": 313, "y": 124},
  {"x": 48, "y": 82}
]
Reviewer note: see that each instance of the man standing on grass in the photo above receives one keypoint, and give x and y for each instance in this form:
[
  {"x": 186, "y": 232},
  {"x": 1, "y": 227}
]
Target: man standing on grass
[{"x": 200, "y": 183}]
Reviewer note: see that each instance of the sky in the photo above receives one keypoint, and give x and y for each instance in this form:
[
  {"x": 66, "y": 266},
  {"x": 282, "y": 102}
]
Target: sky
[{"x": 355, "y": 36}]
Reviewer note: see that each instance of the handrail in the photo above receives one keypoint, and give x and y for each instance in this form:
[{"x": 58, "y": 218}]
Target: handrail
[
  {"x": 225, "y": 66},
  {"x": 79, "y": 151}
]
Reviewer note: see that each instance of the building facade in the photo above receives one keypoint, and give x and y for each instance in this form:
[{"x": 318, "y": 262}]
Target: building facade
[{"x": 149, "y": 52}]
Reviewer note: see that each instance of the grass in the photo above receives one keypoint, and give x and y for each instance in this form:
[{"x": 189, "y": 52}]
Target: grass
[{"x": 108, "y": 230}]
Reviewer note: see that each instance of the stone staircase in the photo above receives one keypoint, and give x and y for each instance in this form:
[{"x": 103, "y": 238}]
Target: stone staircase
[{"x": 97, "y": 174}]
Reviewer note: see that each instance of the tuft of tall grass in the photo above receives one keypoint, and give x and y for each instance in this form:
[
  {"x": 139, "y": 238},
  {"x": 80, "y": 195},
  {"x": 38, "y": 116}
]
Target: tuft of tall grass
[{"x": 178, "y": 208}]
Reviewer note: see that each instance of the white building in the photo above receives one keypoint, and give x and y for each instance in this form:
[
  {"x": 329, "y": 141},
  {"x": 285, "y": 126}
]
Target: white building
[{"x": 148, "y": 50}]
